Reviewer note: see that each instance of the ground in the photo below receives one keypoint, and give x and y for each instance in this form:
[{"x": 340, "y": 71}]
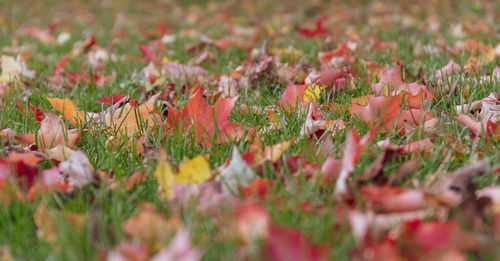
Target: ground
[{"x": 275, "y": 130}]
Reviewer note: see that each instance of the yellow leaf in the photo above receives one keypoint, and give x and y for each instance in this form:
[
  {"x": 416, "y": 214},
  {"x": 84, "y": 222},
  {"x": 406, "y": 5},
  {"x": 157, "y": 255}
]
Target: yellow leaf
[
  {"x": 312, "y": 93},
  {"x": 165, "y": 176},
  {"x": 67, "y": 109},
  {"x": 194, "y": 171},
  {"x": 293, "y": 54}
]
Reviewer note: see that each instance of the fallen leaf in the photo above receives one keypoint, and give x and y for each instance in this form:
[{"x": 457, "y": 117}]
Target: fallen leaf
[
  {"x": 292, "y": 245},
  {"x": 474, "y": 125},
  {"x": 444, "y": 76},
  {"x": 127, "y": 250},
  {"x": 179, "y": 248},
  {"x": 252, "y": 222},
  {"x": 19, "y": 174},
  {"x": 331, "y": 77},
  {"x": 375, "y": 172},
  {"x": 263, "y": 72},
  {"x": 150, "y": 227},
  {"x": 291, "y": 53},
  {"x": 330, "y": 169},
  {"x": 415, "y": 146},
  {"x": 260, "y": 187},
  {"x": 454, "y": 188},
  {"x": 14, "y": 69},
  {"x": 403, "y": 171},
  {"x": 391, "y": 84},
  {"x": 208, "y": 198},
  {"x": 47, "y": 223},
  {"x": 164, "y": 176},
  {"x": 77, "y": 169},
  {"x": 352, "y": 151},
  {"x": 311, "y": 125},
  {"x": 387, "y": 112},
  {"x": 437, "y": 238},
  {"x": 39, "y": 114},
  {"x": 5, "y": 254},
  {"x": 53, "y": 132},
  {"x": 28, "y": 158},
  {"x": 67, "y": 109},
  {"x": 176, "y": 71},
  {"x": 60, "y": 153},
  {"x": 113, "y": 99},
  {"x": 211, "y": 122},
  {"x": 311, "y": 33},
  {"x": 261, "y": 154},
  {"x": 128, "y": 120},
  {"x": 393, "y": 199},
  {"x": 194, "y": 171},
  {"x": 237, "y": 174},
  {"x": 312, "y": 93},
  {"x": 43, "y": 36},
  {"x": 293, "y": 96},
  {"x": 490, "y": 108}
]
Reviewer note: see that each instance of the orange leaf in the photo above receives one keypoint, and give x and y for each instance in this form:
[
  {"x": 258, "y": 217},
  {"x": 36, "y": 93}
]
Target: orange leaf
[{"x": 67, "y": 109}]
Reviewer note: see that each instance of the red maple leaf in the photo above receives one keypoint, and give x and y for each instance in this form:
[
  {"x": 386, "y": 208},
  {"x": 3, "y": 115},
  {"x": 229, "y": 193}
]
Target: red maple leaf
[
  {"x": 387, "y": 112},
  {"x": 317, "y": 31},
  {"x": 211, "y": 121},
  {"x": 391, "y": 81}
]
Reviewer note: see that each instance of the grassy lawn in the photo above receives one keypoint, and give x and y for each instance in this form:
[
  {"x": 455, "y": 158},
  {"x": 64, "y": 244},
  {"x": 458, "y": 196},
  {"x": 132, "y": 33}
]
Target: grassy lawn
[{"x": 234, "y": 123}]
